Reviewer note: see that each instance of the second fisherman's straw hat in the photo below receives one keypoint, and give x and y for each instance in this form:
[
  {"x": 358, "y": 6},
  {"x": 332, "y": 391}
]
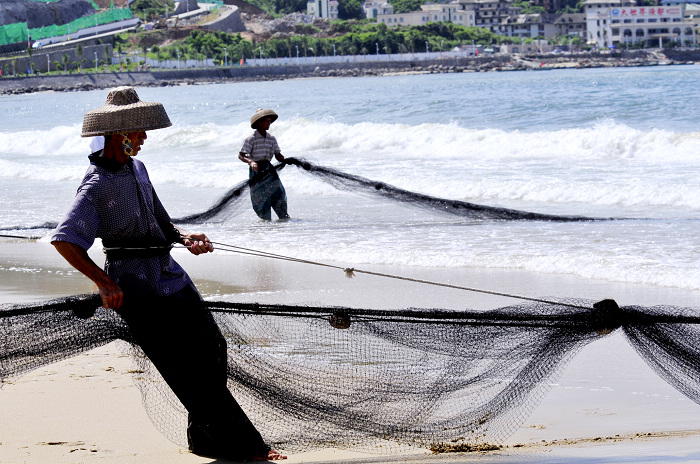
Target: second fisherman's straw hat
[
  {"x": 261, "y": 113},
  {"x": 124, "y": 112}
]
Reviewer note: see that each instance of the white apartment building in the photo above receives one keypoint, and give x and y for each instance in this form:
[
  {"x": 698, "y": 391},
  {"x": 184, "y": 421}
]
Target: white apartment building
[
  {"x": 491, "y": 14},
  {"x": 610, "y": 24},
  {"x": 573, "y": 24},
  {"x": 323, "y": 8},
  {"x": 374, "y": 8},
  {"x": 430, "y": 13},
  {"x": 528, "y": 26}
]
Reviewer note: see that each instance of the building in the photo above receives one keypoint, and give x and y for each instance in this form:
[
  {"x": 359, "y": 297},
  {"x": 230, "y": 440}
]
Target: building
[
  {"x": 613, "y": 23},
  {"x": 550, "y": 6},
  {"x": 430, "y": 13},
  {"x": 374, "y": 8},
  {"x": 322, "y": 8},
  {"x": 571, "y": 24},
  {"x": 691, "y": 13},
  {"x": 528, "y": 26},
  {"x": 491, "y": 14}
]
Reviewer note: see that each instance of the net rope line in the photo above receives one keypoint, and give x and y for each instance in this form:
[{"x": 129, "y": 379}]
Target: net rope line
[
  {"x": 224, "y": 207},
  {"x": 349, "y": 272},
  {"x": 608, "y": 312}
]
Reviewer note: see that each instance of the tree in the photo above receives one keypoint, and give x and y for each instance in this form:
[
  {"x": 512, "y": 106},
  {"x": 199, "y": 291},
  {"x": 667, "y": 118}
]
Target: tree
[
  {"x": 79, "y": 51},
  {"x": 405, "y": 6},
  {"x": 147, "y": 9},
  {"x": 349, "y": 9},
  {"x": 29, "y": 52},
  {"x": 156, "y": 49},
  {"x": 285, "y": 7}
]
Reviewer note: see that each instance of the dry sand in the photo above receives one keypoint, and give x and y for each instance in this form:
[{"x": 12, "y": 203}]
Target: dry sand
[{"x": 608, "y": 406}]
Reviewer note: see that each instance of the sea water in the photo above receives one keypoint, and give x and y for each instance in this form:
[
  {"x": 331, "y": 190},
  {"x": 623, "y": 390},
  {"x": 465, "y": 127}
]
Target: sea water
[{"x": 621, "y": 142}]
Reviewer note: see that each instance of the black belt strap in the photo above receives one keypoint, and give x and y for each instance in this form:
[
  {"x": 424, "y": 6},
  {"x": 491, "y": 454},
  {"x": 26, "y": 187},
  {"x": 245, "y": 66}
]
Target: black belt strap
[{"x": 136, "y": 252}]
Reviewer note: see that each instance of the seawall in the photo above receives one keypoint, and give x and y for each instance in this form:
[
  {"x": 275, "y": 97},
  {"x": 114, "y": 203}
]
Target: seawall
[{"x": 90, "y": 81}]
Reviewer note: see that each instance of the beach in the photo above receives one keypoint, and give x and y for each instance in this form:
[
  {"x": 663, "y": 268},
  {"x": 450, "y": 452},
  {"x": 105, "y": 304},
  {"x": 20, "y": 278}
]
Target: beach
[
  {"x": 604, "y": 408},
  {"x": 582, "y": 142}
]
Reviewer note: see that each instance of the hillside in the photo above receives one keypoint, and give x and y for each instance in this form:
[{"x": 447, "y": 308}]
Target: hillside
[{"x": 40, "y": 14}]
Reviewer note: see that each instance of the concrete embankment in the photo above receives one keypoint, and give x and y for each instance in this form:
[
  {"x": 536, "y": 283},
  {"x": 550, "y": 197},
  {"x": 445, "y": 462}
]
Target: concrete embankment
[{"x": 90, "y": 81}]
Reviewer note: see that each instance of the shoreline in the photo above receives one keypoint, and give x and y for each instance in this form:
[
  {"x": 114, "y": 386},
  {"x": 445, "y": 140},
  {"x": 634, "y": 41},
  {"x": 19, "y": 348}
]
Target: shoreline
[
  {"x": 355, "y": 68},
  {"x": 610, "y": 409}
]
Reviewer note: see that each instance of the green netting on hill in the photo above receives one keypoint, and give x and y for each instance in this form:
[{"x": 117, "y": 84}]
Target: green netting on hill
[
  {"x": 13, "y": 33},
  {"x": 18, "y": 32}
]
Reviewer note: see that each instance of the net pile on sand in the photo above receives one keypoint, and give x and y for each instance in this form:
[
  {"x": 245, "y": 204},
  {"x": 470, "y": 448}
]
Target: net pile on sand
[{"x": 315, "y": 377}]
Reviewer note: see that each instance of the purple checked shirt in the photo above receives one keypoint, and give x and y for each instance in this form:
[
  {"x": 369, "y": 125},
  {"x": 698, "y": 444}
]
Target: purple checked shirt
[{"x": 117, "y": 203}]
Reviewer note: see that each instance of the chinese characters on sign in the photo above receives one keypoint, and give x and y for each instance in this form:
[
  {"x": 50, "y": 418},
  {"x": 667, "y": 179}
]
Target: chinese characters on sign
[{"x": 646, "y": 12}]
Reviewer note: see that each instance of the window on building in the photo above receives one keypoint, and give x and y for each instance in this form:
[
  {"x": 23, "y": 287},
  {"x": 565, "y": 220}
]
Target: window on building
[{"x": 615, "y": 31}]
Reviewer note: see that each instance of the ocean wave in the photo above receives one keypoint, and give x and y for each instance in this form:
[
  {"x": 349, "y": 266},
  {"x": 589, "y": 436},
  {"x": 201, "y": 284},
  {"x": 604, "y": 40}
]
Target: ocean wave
[
  {"x": 607, "y": 164},
  {"x": 606, "y": 140}
]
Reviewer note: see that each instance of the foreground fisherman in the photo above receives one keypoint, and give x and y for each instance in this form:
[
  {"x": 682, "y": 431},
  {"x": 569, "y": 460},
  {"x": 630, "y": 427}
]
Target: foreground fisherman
[
  {"x": 145, "y": 285},
  {"x": 266, "y": 189}
]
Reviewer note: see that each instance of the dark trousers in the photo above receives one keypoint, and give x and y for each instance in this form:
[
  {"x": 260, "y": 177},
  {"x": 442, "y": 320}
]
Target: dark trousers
[
  {"x": 184, "y": 343},
  {"x": 267, "y": 192}
]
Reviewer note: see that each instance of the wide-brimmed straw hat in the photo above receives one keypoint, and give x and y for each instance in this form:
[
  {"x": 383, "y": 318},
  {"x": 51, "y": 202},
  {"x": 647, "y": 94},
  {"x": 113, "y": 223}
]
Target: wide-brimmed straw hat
[
  {"x": 261, "y": 113},
  {"x": 124, "y": 112}
]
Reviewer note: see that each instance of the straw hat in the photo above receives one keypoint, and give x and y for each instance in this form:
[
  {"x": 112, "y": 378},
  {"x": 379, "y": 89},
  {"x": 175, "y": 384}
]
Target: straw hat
[
  {"x": 261, "y": 113},
  {"x": 122, "y": 112}
]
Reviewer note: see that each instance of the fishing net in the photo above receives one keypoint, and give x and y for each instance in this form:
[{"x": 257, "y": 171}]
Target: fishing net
[
  {"x": 312, "y": 377},
  {"x": 229, "y": 203},
  {"x": 237, "y": 198}
]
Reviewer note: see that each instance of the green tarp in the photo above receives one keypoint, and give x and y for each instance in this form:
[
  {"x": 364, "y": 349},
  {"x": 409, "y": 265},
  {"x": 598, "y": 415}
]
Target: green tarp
[{"x": 18, "y": 32}]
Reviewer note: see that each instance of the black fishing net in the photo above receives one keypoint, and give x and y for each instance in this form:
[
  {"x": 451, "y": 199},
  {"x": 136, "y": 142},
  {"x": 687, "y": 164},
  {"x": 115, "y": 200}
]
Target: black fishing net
[
  {"x": 314, "y": 377},
  {"x": 237, "y": 198},
  {"x": 229, "y": 203}
]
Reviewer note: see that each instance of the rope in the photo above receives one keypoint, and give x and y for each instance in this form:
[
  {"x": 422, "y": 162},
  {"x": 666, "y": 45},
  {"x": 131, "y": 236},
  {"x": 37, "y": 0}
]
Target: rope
[
  {"x": 36, "y": 237},
  {"x": 350, "y": 272}
]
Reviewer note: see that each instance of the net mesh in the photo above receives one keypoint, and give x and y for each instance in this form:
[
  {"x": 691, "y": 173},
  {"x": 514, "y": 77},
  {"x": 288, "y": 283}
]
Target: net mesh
[
  {"x": 229, "y": 203},
  {"x": 313, "y": 377},
  {"x": 237, "y": 198}
]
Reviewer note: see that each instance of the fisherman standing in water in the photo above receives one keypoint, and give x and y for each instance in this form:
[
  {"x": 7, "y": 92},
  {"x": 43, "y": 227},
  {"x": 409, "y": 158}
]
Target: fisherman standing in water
[
  {"x": 266, "y": 189},
  {"x": 144, "y": 284}
]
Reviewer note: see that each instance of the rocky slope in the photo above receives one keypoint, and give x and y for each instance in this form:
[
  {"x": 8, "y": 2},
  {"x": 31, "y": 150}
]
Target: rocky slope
[{"x": 40, "y": 14}]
